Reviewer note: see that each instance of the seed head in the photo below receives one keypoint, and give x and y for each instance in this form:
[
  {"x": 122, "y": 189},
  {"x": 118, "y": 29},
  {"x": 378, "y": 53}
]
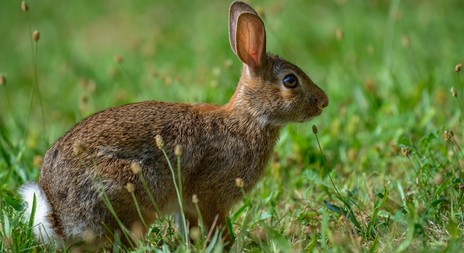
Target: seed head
[
  {"x": 339, "y": 34},
  {"x": 259, "y": 234},
  {"x": 118, "y": 59},
  {"x": 24, "y": 6},
  {"x": 78, "y": 147},
  {"x": 159, "y": 141},
  {"x": 195, "y": 234},
  {"x": 136, "y": 169},
  {"x": 458, "y": 67},
  {"x": 83, "y": 101},
  {"x": 405, "y": 151},
  {"x": 447, "y": 135},
  {"x": 130, "y": 187},
  {"x": 194, "y": 199},
  {"x": 228, "y": 63},
  {"x": 89, "y": 236},
  {"x": 154, "y": 73},
  {"x": 314, "y": 129},
  {"x": 239, "y": 182},
  {"x": 37, "y": 161},
  {"x": 178, "y": 150},
  {"x": 438, "y": 178},
  {"x": 2, "y": 80},
  {"x": 454, "y": 92},
  {"x": 406, "y": 41},
  {"x": 168, "y": 80},
  {"x": 216, "y": 71},
  {"x": 36, "y": 36},
  {"x": 88, "y": 84}
]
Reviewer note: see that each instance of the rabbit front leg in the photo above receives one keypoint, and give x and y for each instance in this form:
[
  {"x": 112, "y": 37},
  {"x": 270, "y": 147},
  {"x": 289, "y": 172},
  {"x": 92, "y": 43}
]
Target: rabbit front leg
[
  {"x": 211, "y": 219},
  {"x": 216, "y": 218}
]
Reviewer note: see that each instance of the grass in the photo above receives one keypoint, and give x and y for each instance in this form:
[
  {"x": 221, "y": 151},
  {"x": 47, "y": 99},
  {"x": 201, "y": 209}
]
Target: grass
[{"x": 381, "y": 176}]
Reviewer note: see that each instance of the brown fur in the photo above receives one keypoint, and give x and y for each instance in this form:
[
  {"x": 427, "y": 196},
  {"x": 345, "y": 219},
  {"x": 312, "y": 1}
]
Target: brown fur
[{"x": 219, "y": 143}]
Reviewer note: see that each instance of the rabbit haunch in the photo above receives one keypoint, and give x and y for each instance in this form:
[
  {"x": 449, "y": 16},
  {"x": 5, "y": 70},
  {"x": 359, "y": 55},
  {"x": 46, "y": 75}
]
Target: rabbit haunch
[{"x": 93, "y": 160}]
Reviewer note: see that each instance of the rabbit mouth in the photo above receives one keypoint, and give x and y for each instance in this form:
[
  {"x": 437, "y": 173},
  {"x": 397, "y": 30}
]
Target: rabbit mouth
[
  {"x": 318, "y": 111},
  {"x": 314, "y": 112},
  {"x": 306, "y": 118}
]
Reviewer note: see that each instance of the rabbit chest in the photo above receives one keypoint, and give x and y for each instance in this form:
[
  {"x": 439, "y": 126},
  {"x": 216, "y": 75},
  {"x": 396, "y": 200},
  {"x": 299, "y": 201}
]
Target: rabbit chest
[{"x": 228, "y": 148}]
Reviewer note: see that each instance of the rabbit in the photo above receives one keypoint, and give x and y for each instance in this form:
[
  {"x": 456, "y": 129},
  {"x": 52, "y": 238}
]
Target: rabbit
[{"x": 95, "y": 160}]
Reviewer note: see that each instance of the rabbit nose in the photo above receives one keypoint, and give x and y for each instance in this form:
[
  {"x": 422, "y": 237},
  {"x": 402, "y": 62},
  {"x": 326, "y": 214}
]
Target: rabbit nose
[{"x": 323, "y": 102}]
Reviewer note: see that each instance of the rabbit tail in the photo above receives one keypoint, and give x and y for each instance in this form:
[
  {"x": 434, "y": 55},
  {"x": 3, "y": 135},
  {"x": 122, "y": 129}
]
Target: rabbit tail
[{"x": 42, "y": 227}]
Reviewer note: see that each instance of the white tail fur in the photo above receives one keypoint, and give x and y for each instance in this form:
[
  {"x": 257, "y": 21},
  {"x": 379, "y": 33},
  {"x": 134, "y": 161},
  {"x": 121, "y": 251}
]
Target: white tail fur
[{"x": 42, "y": 227}]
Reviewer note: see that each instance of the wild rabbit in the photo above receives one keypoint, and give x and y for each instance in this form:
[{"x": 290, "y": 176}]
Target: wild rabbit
[{"x": 93, "y": 162}]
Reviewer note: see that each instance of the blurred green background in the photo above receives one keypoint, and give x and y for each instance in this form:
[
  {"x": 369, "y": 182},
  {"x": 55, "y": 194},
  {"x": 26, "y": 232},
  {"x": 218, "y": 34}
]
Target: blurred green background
[
  {"x": 393, "y": 54},
  {"x": 387, "y": 67}
]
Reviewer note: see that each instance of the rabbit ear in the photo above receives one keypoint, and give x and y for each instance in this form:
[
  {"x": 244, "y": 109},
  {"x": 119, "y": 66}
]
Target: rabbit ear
[{"x": 247, "y": 34}]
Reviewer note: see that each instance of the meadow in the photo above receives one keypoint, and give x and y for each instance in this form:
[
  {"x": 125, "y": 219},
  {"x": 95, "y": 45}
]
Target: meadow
[{"x": 381, "y": 170}]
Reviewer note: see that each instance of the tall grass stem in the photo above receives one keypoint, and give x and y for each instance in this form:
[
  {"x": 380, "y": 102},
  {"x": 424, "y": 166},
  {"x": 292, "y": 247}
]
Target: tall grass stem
[{"x": 179, "y": 198}]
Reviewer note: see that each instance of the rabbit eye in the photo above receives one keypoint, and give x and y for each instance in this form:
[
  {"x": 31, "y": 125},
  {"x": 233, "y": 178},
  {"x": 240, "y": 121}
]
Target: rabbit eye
[{"x": 290, "y": 81}]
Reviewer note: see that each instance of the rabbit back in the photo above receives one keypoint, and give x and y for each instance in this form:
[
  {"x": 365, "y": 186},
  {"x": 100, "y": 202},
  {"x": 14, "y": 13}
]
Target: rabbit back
[{"x": 94, "y": 158}]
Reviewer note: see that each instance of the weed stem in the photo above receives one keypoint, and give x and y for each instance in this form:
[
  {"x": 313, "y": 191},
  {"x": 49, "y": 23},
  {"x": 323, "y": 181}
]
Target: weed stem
[{"x": 179, "y": 198}]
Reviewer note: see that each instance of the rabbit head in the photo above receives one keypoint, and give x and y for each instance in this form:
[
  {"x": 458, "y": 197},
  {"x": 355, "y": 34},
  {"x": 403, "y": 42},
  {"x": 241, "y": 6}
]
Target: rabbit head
[{"x": 270, "y": 88}]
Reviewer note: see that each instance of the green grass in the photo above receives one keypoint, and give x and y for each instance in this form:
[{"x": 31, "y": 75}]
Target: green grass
[{"x": 387, "y": 67}]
